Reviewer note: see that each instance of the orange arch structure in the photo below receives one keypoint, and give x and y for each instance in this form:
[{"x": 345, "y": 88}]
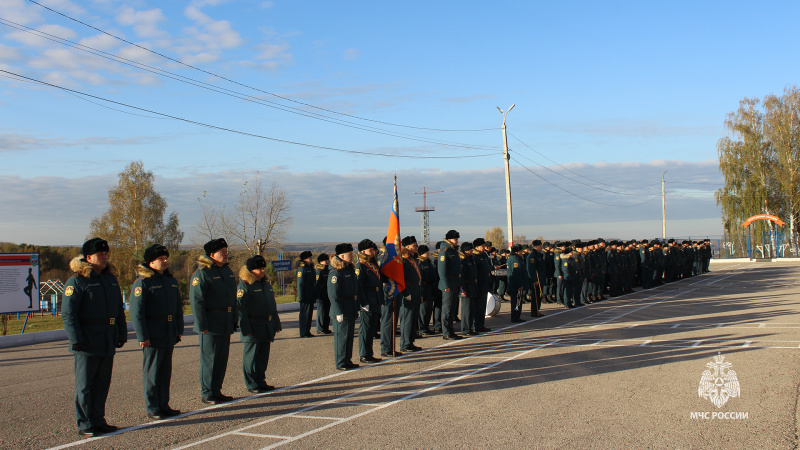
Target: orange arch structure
[{"x": 769, "y": 217}]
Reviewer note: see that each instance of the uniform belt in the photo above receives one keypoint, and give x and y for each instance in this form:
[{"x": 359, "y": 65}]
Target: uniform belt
[
  {"x": 168, "y": 318},
  {"x": 347, "y": 298},
  {"x": 109, "y": 321},
  {"x": 228, "y": 309},
  {"x": 268, "y": 318}
]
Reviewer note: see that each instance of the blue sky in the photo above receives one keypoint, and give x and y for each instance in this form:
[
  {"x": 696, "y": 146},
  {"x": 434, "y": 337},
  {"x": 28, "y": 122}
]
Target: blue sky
[{"x": 608, "y": 96}]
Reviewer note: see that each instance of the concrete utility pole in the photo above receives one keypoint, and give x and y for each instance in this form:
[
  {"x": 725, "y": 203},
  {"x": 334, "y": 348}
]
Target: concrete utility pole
[
  {"x": 508, "y": 177},
  {"x": 663, "y": 208}
]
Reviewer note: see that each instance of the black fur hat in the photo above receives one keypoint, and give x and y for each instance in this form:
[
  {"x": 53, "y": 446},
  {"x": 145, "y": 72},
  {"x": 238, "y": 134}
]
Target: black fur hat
[
  {"x": 93, "y": 246},
  {"x": 153, "y": 252}
]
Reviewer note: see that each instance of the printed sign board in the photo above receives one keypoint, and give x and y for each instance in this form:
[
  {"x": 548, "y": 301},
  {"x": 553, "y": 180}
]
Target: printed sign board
[
  {"x": 282, "y": 265},
  {"x": 19, "y": 282}
]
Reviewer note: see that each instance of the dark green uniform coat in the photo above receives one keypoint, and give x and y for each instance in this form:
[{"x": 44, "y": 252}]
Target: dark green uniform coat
[
  {"x": 258, "y": 323},
  {"x": 157, "y": 316},
  {"x": 343, "y": 292},
  {"x": 449, "y": 267},
  {"x": 370, "y": 299},
  {"x": 212, "y": 292},
  {"x": 94, "y": 320}
]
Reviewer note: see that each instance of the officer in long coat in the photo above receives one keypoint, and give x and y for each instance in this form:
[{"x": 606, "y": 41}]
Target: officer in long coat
[
  {"x": 516, "y": 277},
  {"x": 343, "y": 292},
  {"x": 212, "y": 293},
  {"x": 94, "y": 320},
  {"x": 258, "y": 322},
  {"x": 469, "y": 290},
  {"x": 321, "y": 287},
  {"x": 370, "y": 299},
  {"x": 449, "y": 266},
  {"x": 306, "y": 292},
  {"x": 483, "y": 269},
  {"x": 428, "y": 308},
  {"x": 157, "y": 316},
  {"x": 412, "y": 295}
]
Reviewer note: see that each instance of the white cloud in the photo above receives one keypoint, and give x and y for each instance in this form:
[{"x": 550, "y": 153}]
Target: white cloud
[
  {"x": 20, "y": 11},
  {"x": 144, "y": 23},
  {"x": 101, "y": 42},
  {"x": 9, "y": 53},
  {"x": 336, "y": 207},
  {"x": 350, "y": 54}
]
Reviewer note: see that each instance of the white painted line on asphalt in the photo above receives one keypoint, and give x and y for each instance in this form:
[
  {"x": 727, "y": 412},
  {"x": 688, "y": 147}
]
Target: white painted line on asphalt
[
  {"x": 358, "y": 403},
  {"x": 373, "y": 389},
  {"x": 333, "y": 375},
  {"x": 747, "y": 343},
  {"x": 676, "y": 325},
  {"x": 306, "y": 417},
  {"x": 271, "y": 436},
  {"x": 762, "y": 325},
  {"x": 696, "y": 343},
  {"x": 599, "y": 342},
  {"x": 645, "y": 343}
]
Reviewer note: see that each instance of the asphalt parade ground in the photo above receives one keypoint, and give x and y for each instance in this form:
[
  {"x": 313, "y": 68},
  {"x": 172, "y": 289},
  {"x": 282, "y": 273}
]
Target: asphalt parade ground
[{"x": 622, "y": 373}]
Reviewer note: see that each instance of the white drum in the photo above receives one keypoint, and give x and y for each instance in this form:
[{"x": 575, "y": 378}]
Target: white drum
[
  {"x": 492, "y": 305},
  {"x": 500, "y": 273}
]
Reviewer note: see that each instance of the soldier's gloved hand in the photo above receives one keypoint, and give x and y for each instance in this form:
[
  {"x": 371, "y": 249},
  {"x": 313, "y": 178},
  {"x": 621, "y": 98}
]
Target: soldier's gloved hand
[
  {"x": 340, "y": 318},
  {"x": 178, "y": 339},
  {"x": 365, "y": 308},
  {"x": 79, "y": 346},
  {"x": 120, "y": 344}
]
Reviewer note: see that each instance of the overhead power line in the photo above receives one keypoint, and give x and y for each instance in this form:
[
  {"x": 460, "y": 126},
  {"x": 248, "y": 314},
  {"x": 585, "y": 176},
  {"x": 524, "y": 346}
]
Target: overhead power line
[
  {"x": 579, "y": 196},
  {"x": 243, "y": 133},
  {"x": 220, "y": 90},
  {"x": 576, "y": 173},
  {"x": 248, "y": 86}
]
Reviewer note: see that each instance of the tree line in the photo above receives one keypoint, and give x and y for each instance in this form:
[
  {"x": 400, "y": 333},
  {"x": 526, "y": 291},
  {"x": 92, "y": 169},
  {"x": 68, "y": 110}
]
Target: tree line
[{"x": 760, "y": 163}]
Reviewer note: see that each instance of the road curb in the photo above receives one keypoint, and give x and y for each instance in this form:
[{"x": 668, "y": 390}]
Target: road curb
[{"x": 19, "y": 340}]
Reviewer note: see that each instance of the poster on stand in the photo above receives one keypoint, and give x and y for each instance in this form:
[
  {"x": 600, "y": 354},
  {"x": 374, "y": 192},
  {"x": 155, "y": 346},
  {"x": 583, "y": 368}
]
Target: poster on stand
[{"x": 19, "y": 283}]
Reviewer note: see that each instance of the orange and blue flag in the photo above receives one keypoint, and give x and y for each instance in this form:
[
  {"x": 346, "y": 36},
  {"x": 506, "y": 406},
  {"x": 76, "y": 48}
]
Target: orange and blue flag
[{"x": 392, "y": 266}]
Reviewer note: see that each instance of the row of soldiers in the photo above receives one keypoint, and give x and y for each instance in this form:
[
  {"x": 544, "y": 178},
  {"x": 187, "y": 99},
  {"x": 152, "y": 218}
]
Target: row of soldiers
[
  {"x": 434, "y": 283},
  {"x": 573, "y": 273},
  {"x": 94, "y": 320}
]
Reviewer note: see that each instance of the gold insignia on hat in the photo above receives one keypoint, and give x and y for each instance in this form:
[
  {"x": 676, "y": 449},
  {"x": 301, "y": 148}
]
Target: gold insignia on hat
[
  {"x": 68, "y": 291},
  {"x": 240, "y": 293},
  {"x": 137, "y": 292},
  {"x": 333, "y": 279},
  {"x": 195, "y": 281}
]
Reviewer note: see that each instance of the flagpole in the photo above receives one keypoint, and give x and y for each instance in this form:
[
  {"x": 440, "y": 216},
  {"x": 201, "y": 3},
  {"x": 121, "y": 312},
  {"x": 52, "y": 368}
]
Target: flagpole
[{"x": 394, "y": 300}]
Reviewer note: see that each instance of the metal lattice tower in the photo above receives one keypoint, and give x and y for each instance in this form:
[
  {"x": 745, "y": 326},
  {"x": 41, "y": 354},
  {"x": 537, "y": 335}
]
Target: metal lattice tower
[{"x": 425, "y": 209}]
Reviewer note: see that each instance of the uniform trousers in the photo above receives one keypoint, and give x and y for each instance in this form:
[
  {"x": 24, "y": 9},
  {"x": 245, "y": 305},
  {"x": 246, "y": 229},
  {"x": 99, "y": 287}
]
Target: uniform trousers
[
  {"x": 306, "y": 314},
  {"x": 389, "y": 317},
  {"x": 370, "y": 321},
  {"x": 516, "y": 304},
  {"x": 92, "y": 381},
  {"x": 343, "y": 334},
  {"x": 156, "y": 377},
  {"x": 214, "y": 351},
  {"x": 479, "y": 315},
  {"x": 255, "y": 358},
  {"x": 409, "y": 318},
  {"x": 323, "y": 315},
  {"x": 449, "y": 304},
  {"x": 468, "y": 314}
]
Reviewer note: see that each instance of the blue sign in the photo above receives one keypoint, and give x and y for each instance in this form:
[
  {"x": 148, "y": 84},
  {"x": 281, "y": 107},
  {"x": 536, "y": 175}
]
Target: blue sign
[{"x": 281, "y": 265}]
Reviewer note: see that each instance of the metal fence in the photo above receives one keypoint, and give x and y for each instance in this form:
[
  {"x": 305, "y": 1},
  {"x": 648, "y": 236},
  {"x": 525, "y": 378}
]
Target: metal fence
[{"x": 768, "y": 244}]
